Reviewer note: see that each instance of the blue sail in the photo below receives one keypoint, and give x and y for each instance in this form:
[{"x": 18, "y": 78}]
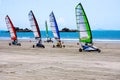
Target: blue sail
[{"x": 54, "y": 26}]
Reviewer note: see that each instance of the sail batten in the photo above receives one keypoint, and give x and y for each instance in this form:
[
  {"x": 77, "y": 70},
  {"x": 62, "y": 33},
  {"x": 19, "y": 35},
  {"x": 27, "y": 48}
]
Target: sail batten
[
  {"x": 34, "y": 25},
  {"x": 11, "y": 28},
  {"x": 54, "y": 26},
  {"x": 83, "y": 26}
]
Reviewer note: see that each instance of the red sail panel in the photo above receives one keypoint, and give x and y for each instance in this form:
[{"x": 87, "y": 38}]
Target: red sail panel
[{"x": 11, "y": 28}]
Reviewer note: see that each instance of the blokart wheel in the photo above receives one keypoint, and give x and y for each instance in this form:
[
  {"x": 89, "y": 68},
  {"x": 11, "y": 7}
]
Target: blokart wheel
[
  {"x": 80, "y": 50},
  {"x": 19, "y": 44},
  {"x": 43, "y": 46},
  {"x": 53, "y": 46},
  {"x": 9, "y": 44},
  {"x": 33, "y": 46},
  {"x": 63, "y": 46},
  {"x": 98, "y": 50}
]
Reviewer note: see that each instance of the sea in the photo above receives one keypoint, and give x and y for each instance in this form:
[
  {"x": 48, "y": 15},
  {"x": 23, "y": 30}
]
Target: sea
[{"x": 98, "y": 35}]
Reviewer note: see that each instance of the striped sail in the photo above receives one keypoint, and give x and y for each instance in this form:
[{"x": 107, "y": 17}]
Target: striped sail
[
  {"x": 83, "y": 25},
  {"x": 11, "y": 28},
  {"x": 46, "y": 26},
  {"x": 54, "y": 26},
  {"x": 34, "y": 25}
]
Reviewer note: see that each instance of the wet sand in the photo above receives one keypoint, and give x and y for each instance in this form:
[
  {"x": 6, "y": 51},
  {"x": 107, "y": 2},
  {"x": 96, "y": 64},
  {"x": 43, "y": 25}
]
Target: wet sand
[{"x": 27, "y": 63}]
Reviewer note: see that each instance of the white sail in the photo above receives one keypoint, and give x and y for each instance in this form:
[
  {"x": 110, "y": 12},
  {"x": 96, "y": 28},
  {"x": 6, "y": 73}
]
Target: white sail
[
  {"x": 83, "y": 26},
  {"x": 54, "y": 26},
  {"x": 11, "y": 28},
  {"x": 34, "y": 25}
]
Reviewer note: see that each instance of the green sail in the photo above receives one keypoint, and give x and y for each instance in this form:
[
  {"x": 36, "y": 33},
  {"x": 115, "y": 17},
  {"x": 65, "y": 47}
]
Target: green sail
[
  {"x": 46, "y": 29},
  {"x": 83, "y": 26}
]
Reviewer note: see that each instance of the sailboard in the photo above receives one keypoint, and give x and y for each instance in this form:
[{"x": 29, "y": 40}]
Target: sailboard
[
  {"x": 55, "y": 30},
  {"x": 35, "y": 29},
  {"x": 83, "y": 26},
  {"x": 12, "y": 31}
]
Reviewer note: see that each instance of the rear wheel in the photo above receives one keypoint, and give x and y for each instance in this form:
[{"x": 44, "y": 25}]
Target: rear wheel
[
  {"x": 19, "y": 44},
  {"x": 9, "y": 44},
  {"x": 64, "y": 46},
  {"x": 33, "y": 46},
  {"x": 80, "y": 50},
  {"x": 43, "y": 46},
  {"x": 53, "y": 46}
]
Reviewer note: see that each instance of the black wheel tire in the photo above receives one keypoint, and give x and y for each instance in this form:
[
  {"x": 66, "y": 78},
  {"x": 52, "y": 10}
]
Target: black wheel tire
[
  {"x": 33, "y": 46},
  {"x": 64, "y": 46},
  {"x": 19, "y": 44},
  {"x": 9, "y": 44},
  {"x": 80, "y": 50},
  {"x": 53, "y": 46},
  {"x": 43, "y": 46},
  {"x": 98, "y": 50}
]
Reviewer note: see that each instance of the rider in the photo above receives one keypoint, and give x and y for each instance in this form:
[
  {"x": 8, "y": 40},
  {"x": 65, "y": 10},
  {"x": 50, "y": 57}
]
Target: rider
[{"x": 59, "y": 43}]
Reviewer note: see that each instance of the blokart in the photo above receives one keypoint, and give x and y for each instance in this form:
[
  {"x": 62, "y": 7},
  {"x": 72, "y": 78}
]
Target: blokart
[
  {"x": 39, "y": 45},
  {"x": 89, "y": 48},
  {"x": 15, "y": 43}
]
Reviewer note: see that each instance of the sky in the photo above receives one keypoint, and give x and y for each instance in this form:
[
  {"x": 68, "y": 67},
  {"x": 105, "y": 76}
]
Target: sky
[{"x": 102, "y": 14}]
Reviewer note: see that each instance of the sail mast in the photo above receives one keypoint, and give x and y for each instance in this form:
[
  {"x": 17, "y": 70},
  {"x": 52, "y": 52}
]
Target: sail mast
[
  {"x": 34, "y": 25},
  {"x": 54, "y": 26},
  {"x": 83, "y": 26},
  {"x": 11, "y": 28}
]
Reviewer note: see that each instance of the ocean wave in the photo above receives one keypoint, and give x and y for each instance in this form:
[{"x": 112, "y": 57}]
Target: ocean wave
[{"x": 63, "y": 39}]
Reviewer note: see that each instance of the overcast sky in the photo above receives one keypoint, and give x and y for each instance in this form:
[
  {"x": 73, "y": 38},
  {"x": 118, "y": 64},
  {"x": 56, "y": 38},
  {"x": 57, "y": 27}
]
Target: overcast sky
[{"x": 102, "y": 14}]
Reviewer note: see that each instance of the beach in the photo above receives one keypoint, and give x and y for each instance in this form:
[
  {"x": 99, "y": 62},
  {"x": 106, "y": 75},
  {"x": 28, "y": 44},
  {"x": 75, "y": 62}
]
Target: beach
[{"x": 27, "y": 63}]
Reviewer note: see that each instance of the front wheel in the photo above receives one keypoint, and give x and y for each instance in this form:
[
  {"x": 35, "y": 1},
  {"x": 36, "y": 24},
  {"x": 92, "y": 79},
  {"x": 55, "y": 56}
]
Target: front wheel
[{"x": 98, "y": 50}]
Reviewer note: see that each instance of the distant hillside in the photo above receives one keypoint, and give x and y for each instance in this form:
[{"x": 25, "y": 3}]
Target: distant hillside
[
  {"x": 22, "y": 30},
  {"x": 68, "y": 30}
]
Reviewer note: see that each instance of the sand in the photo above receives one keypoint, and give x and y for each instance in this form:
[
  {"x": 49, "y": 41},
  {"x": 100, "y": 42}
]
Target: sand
[{"x": 27, "y": 63}]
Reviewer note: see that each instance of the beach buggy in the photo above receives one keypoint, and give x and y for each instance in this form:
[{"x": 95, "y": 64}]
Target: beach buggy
[
  {"x": 55, "y": 31},
  {"x": 12, "y": 31},
  {"x": 47, "y": 35},
  {"x": 85, "y": 34},
  {"x": 36, "y": 30}
]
